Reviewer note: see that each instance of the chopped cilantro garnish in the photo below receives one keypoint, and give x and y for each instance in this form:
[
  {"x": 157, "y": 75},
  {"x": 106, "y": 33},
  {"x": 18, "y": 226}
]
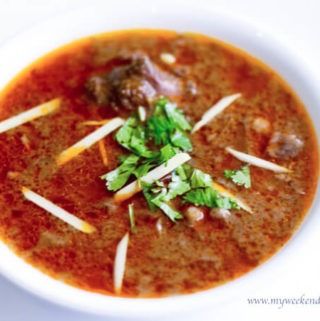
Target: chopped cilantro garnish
[
  {"x": 202, "y": 197},
  {"x": 181, "y": 171},
  {"x": 187, "y": 171},
  {"x": 161, "y": 102},
  {"x": 209, "y": 197},
  {"x": 142, "y": 169},
  {"x": 152, "y": 142},
  {"x": 132, "y": 136},
  {"x": 200, "y": 179},
  {"x": 165, "y": 127},
  {"x": 149, "y": 195},
  {"x": 195, "y": 188},
  {"x": 161, "y": 201},
  {"x": 168, "y": 125},
  {"x": 179, "y": 139},
  {"x": 177, "y": 186},
  {"x": 240, "y": 177},
  {"x": 166, "y": 153},
  {"x": 119, "y": 176},
  {"x": 125, "y": 133},
  {"x": 158, "y": 196},
  {"x": 227, "y": 203},
  {"x": 169, "y": 211},
  {"x": 137, "y": 145},
  {"x": 159, "y": 127},
  {"x": 176, "y": 116}
]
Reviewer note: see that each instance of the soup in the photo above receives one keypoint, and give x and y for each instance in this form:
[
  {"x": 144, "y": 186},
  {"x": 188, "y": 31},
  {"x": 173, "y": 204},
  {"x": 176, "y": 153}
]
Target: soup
[{"x": 150, "y": 163}]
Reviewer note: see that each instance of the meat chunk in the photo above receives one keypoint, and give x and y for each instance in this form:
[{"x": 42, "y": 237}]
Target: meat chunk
[
  {"x": 134, "y": 83},
  {"x": 284, "y": 146},
  {"x": 98, "y": 88}
]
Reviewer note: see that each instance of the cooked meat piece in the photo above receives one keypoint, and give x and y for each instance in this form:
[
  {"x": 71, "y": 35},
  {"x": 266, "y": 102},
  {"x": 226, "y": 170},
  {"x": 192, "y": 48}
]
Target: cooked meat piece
[
  {"x": 284, "y": 146},
  {"x": 164, "y": 82},
  {"x": 98, "y": 88},
  {"x": 133, "y": 92},
  {"x": 135, "y": 83}
]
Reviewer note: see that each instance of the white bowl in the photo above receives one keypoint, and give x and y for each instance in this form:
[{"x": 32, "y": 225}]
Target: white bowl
[{"x": 166, "y": 14}]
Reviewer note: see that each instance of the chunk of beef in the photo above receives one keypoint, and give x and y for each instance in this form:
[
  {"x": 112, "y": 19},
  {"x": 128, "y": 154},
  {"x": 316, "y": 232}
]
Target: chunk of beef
[
  {"x": 133, "y": 92},
  {"x": 132, "y": 84},
  {"x": 98, "y": 88},
  {"x": 284, "y": 145}
]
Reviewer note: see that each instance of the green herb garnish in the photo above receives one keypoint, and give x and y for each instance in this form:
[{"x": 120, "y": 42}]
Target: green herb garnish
[
  {"x": 177, "y": 186},
  {"x": 240, "y": 177},
  {"x": 132, "y": 136},
  {"x": 168, "y": 125},
  {"x": 161, "y": 201},
  {"x": 210, "y": 198},
  {"x": 166, "y": 153},
  {"x": 119, "y": 176},
  {"x": 175, "y": 115},
  {"x": 153, "y": 142},
  {"x": 200, "y": 179}
]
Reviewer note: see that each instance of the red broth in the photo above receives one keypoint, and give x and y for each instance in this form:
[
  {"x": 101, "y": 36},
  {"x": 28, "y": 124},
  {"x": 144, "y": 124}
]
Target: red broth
[{"x": 185, "y": 256}]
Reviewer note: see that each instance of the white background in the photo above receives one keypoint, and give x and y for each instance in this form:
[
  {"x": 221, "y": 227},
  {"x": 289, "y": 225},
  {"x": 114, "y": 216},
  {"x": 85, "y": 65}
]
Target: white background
[{"x": 297, "y": 22}]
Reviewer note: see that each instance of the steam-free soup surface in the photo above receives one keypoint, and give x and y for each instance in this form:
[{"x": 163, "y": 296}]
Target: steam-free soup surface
[{"x": 209, "y": 246}]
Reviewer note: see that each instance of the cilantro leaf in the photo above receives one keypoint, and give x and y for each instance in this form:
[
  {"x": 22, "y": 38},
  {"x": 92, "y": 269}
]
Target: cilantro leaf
[
  {"x": 226, "y": 203},
  {"x": 168, "y": 125},
  {"x": 176, "y": 116},
  {"x": 161, "y": 102},
  {"x": 210, "y": 198},
  {"x": 187, "y": 171},
  {"x": 148, "y": 195},
  {"x": 166, "y": 153},
  {"x": 119, "y": 176},
  {"x": 161, "y": 202},
  {"x": 202, "y": 197},
  {"x": 200, "y": 179},
  {"x": 137, "y": 145},
  {"x": 181, "y": 140},
  {"x": 170, "y": 212},
  {"x": 177, "y": 186},
  {"x": 240, "y": 177},
  {"x": 125, "y": 133},
  {"x": 159, "y": 128},
  {"x": 142, "y": 169},
  {"x": 158, "y": 196},
  {"x": 181, "y": 171},
  {"x": 132, "y": 136}
]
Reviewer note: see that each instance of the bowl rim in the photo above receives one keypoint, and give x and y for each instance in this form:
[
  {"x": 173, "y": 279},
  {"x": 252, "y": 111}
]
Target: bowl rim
[{"x": 251, "y": 37}]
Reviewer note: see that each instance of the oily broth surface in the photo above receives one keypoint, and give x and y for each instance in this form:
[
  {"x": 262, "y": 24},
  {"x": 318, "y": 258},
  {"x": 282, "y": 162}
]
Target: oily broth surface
[{"x": 182, "y": 259}]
